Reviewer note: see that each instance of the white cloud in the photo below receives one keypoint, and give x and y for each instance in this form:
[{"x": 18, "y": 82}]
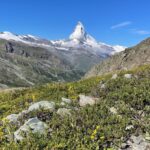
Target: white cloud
[
  {"x": 142, "y": 32},
  {"x": 122, "y": 24}
]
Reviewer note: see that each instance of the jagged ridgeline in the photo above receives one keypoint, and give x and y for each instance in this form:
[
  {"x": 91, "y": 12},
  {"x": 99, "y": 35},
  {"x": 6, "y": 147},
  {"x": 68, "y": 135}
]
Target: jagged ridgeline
[
  {"x": 108, "y": 112},
  {"x": 26, "y": 60}
]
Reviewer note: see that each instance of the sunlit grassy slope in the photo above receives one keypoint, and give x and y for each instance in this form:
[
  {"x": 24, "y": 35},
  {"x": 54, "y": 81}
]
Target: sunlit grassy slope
[{"x": 91, "y": 127}]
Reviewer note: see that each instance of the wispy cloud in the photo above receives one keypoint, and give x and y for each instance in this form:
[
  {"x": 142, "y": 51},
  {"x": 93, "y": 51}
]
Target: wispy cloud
[
  {"x": 142, "y": 32},
  {"x": 122, "y": 24}
]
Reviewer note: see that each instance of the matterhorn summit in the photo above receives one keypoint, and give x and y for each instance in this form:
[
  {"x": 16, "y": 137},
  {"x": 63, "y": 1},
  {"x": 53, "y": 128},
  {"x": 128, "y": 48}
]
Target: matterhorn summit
[
  {"x": 83, "y": 41},
  {"x": 79, "y": 32},
  {"x": 79, "y": 41}
]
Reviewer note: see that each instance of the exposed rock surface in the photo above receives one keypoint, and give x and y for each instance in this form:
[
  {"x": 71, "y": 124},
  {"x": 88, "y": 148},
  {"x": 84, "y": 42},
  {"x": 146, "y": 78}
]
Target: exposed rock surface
[
  {"x": 64, "y": 112},
  {"x": 87, "y": 100},
  {"x": 113, "y": 110},
  {"x": 136, "y": 143},
  {"x": 33, "y": 125},
  {"x": 12, "y": 118},
  {"x": 46, "y": 105},
  {"x": 128, "y": 76},
  {"x": 65, "y": 100},
  {"x": 114, "y": 76}
]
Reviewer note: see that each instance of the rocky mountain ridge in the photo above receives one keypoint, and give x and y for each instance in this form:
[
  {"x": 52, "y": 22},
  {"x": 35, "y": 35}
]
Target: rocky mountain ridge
[
  {"x": 126, "y": 60},
  {"x": 27, "y": 60}
]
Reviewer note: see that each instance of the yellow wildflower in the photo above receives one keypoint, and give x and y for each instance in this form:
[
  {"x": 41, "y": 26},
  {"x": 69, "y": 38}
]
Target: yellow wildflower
[
  {"x": 33, "y": 97},
  {"x": 97, "y": 127},
  {"x": 94, "y": 132},
  {"x": 102, "y": 137},
  {"x": 5, "y": 120},
  {"x": 92, "y": 137}
]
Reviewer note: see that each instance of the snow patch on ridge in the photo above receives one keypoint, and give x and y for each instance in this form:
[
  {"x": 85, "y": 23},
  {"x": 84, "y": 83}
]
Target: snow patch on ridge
[{"x": 79, "y": 39}]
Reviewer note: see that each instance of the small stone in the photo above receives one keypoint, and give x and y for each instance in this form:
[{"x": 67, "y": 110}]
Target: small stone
[
  {"x": 63, "y": 111},
  {"x": 65, "y": 100},
  {"x": 124, "y": 146},
  {"x": 87, "y": 100},
  {"x": 113, "y": 110},
  {"x": 114, "y": 76},
  {"x": 129, "y": 127},
  {"x": 62, "y": 104},
  {"x": 103, "y": 86},
  {"x": 147, "y": 136},
  {"x": 128, "y": 76}
]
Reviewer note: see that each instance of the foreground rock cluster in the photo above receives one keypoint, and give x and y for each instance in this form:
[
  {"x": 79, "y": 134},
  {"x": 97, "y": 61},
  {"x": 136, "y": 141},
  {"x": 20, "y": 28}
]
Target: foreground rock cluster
[{"x": 34, "y": 124}]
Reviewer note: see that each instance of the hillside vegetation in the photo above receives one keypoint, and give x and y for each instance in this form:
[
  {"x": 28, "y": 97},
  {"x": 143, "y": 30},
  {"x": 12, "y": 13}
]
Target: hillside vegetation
[
  {"x": 126, "y": 60},
  {"x": 90, "y": 127}
]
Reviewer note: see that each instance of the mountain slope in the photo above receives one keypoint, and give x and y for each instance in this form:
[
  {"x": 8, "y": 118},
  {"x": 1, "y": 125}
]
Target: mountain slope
[
  {"x": 27, "y": 60},
  {"x": 122, "y": 112},
  {"x": 128, "y": 59},
  {"x": 24, "y": 65}
]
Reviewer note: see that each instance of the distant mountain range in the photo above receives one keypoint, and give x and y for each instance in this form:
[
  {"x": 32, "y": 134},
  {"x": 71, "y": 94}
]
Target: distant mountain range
[
  {"x": 126, "y": 60},
  {"x": 27, "y": 60}
]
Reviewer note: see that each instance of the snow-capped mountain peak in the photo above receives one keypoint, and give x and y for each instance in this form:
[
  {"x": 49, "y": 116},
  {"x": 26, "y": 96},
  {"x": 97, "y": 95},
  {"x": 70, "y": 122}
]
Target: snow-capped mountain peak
[
  {"x": 79, "y": 32},
  {"x": 21, "y": 38},
  {"x": 78, "y": 40}
]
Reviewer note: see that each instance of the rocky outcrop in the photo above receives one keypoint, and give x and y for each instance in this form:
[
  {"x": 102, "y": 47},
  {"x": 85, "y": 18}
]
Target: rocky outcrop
[
  {"x": 33, "y": 120},
  {"x": 33, "y": 125},
  {"x": 9, "y": 47},
  {"x": 136, "y": 143},
  {"x": 42, "y": 105}
]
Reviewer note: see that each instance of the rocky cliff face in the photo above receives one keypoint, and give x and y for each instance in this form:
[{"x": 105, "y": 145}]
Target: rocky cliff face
[{"x": 128, "y": 59}]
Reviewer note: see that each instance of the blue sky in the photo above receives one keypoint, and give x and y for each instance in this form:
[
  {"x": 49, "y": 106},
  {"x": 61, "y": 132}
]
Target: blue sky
[{"x": 124, "y": 22}]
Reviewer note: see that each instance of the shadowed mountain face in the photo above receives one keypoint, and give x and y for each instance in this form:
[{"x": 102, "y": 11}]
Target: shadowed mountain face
[
  {"x": 23, "y": 65},
  {"x": 128, "y": 59},
  {"x": 26, "y": 60}
]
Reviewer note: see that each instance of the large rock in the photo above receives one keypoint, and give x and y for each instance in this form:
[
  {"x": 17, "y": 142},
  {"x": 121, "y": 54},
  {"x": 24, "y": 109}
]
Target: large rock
[
  {"x": 87, "y": 100},
  {"x": 33, "y": 125},
  {"x": 46, "y": 105},
  {"x": 136, "y": 143}
]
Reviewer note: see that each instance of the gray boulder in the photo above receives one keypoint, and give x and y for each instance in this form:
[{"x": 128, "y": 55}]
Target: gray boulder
[
  {"x": 136, "y": 143},
  {"x": 46, "y": 105},
  {"x": 33, "y": 125}
]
